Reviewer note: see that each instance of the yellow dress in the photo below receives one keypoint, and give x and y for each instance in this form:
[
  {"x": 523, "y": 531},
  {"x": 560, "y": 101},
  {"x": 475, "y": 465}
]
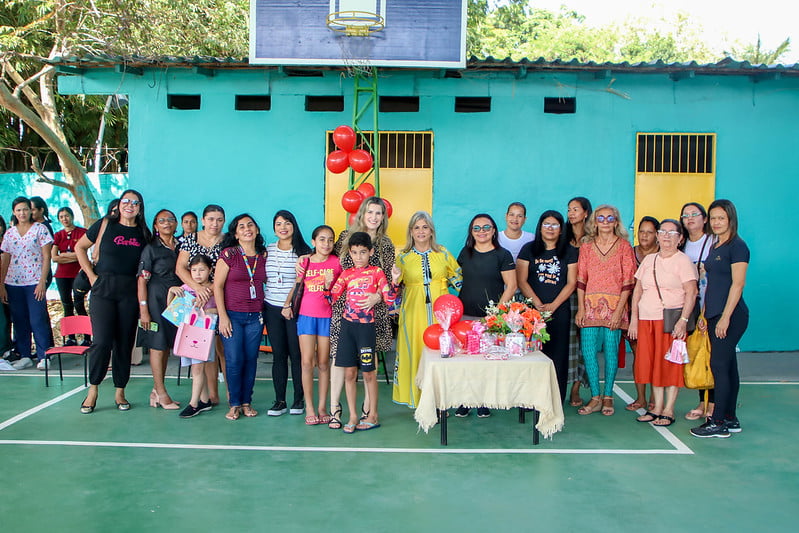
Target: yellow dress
[{"x": 425, "y": 277}]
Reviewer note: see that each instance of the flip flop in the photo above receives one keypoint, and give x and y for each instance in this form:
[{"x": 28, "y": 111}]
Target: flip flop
[
  {"x": 576, "y": 403},
  {"x": 652, "y": 417},
  {"x": 324, "y": 419},
  {"x": 636, "y": 405},
  {"x": 695, "y": 414},
  {"x": 312, "y": 420},
  {"x": 366, "y": 426},
  {"x": 234, "y": 413},
  {"x": 349, "y": 429},
  {"x": 248, "y": 411},
  {"x": 669, "y": 421}
]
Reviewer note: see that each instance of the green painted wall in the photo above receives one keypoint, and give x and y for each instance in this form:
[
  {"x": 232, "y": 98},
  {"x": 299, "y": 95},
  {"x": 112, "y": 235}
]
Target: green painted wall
[{"x": 261, "y": 161}]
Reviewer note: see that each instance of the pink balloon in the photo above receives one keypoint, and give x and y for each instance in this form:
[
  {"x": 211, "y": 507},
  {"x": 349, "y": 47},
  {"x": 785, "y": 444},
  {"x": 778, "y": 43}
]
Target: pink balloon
[
  {"x": 361, "y": 161},
  {"x": 449, "y": 303},
  {"x": 337, "y": 161},
  {"x": 344, "y": 138}
]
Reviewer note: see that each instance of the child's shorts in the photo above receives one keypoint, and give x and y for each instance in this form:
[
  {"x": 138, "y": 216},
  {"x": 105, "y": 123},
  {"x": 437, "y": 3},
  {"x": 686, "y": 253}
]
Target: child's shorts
[
  {"x": 185, "y": 361},
  {"x": 356, "y": 346},
  {"x": 311, "y": 325}
]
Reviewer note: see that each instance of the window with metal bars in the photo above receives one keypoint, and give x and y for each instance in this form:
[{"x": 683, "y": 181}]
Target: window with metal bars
[
  {"x": 399, "y": 149},
  {"x": 679, "y": 153}
]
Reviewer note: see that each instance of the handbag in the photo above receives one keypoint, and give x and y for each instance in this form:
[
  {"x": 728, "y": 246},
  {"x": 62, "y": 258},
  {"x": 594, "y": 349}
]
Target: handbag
[
  {"x": 195, "y": 337},
  {"x": 697, "y": 373},
  {"x": 678, "y": 353},
  {"x": 299, "y": 290},
  {"x": 671, "y": 316}
]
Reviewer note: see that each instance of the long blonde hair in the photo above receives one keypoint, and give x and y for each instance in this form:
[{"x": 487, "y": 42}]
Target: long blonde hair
[
  {"x": 591, "y": 227},
  {"x": 415, "y": 218},
  {"x": 359, "y": 224}
]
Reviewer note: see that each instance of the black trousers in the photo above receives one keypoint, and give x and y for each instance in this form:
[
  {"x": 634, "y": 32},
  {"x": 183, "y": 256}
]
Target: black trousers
[
  {"x": 724, "y": 364},
  {"x": 285, "y": 345},
  {"x": 557, "y": 347},
  {"x": 71, "y": 300},
  {"x": 115, "y": 313}
]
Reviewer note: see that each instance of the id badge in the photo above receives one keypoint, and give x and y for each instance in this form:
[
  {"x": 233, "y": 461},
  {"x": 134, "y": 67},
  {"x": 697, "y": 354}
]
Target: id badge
[{"x": 252, "y": 292}]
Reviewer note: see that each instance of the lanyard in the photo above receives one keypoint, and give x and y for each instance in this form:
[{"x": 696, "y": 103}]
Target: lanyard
[{"x": 250, "y": 271}]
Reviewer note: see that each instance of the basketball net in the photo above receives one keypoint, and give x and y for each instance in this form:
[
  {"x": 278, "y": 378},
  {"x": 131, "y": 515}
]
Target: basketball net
[{"x": 355, "y": 30}]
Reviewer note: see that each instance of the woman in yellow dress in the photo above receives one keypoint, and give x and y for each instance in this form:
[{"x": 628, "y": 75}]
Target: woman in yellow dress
[{"x": 426, "y": 270}]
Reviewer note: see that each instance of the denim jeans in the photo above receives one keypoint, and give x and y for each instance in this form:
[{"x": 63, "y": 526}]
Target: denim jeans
[
  {"x": 241, "y": 355},
  {"x": 29, "y": 315}
]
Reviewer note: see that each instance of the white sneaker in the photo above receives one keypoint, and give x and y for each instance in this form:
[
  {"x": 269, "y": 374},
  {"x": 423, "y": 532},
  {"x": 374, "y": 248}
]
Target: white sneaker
[
  {"x": 25, "y": 362},
  {"x": 42, "y": 364}
]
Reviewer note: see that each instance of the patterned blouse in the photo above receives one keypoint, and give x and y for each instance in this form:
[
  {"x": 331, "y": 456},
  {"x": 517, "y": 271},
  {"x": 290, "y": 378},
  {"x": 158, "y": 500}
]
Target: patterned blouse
[
  {"x": 189, "y": 243},
  {"x": 603, "y": 278},
  {"x": 25, "y": 267}
]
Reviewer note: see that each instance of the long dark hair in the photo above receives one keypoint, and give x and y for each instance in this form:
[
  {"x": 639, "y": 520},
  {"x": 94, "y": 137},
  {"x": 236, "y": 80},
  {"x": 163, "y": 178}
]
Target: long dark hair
[
  {"x": 39, "y": 203},
  {"x": 230, "y": 240},
  {"x": 141, "y": 223},
  {"x": 732, "y": 215},
  {"x": 469, "y": 245},
  {"x": 538, "y": 246},
  {"x": 705, "y": 228},
  {"x": 298, "y": 244},
  {"x": 585, "y": 203},
  {"x": 20, "y": 200}
]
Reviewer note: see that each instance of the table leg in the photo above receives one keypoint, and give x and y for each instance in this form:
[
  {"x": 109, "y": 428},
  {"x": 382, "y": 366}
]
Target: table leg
[
  {"x": 442, "y": 421},
  {"x": 521, "y": 414},
  {"x": 535, "y": 429}
]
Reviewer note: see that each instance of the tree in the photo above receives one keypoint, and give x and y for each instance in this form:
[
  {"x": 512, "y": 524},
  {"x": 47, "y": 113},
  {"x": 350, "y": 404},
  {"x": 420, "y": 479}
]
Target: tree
[{"x": 756, "y": 55}]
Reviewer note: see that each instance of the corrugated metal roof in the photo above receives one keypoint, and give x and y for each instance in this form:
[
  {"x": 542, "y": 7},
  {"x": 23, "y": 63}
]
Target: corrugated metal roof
[{"x": 727, "y": 66}]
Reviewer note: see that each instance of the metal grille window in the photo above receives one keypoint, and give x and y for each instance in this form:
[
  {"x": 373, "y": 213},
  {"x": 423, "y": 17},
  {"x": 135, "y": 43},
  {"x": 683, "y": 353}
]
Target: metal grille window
[
  {"x": 399, "y": 149},
  {"x": 681, "y": 153}
]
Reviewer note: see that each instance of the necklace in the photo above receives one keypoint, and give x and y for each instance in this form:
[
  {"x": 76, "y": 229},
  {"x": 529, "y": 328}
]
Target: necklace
[{"x": 605, "y": 253}]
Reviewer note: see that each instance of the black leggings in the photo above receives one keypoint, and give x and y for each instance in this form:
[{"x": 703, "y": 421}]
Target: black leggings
[
  {"x": 285, "y": 345},
  {"x": 557, "y": 348},
  {"x": 115, "y": 312},
  {"x": 71, "y": 300},
  {"x": 724, "y": 364}
]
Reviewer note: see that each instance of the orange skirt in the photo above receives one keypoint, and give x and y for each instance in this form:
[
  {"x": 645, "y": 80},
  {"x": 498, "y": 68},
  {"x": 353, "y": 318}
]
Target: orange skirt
[{"x": 650, "y": 363}]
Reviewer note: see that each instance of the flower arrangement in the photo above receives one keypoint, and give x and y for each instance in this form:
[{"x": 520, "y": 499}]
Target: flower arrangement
[{"x": 517, "y": 316}]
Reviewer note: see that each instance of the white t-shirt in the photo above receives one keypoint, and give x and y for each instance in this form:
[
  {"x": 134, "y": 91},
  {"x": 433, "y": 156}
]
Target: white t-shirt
[
  {"x": 514, "y": 246},
  {"x": 692, "y": 250}
]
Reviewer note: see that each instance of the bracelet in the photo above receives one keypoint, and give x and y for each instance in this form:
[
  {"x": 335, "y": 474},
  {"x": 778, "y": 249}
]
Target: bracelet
[
  {"x": 683, "y": 318},
  {"x": 286, "y": 307},
  {"x": 142, "y": 302}
]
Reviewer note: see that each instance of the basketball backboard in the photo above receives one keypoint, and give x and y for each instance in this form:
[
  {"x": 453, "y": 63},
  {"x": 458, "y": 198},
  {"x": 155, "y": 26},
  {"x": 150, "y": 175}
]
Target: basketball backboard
[{"x": 415, "y": 33}]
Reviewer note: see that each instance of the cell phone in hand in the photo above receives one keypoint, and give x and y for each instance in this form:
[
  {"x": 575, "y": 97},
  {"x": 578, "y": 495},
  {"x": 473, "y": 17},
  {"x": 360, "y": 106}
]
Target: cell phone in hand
[{"x": 153, "y": 326}]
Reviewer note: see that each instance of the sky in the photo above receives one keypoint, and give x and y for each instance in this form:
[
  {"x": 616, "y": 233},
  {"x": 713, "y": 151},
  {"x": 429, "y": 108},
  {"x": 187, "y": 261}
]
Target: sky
[{"x": 722, "y": 20}]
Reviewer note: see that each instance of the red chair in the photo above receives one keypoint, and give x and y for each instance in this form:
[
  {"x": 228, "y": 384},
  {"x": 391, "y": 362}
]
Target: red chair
[{"x": 71, "y": 325}]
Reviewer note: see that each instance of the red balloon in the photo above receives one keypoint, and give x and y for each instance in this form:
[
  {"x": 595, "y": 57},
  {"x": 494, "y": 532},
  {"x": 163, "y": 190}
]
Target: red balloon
[
  {"x": 460, "y": 330},
  {"x": 351, "y": 201},
  {"x": 451, "y": 303},
  {"x": 337, "y": 161},
  {"x": 361, "y": 160},
  {"x": 431, "y": 335},
  {"x": 366, "y": 189},
  {"x": 344, "y": 138},
  {"x": 389, "y": 208},
  {"x": 351, "y": 219}
]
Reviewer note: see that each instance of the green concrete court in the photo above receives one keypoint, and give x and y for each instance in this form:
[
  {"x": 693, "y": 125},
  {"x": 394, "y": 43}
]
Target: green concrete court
[{"x": 148, "y": 470}]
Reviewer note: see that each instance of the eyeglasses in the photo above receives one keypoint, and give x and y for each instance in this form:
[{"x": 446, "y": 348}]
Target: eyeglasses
[
  {"x": 478, "y": 229},
  {"x": 126, "y": 201},
  {"x": 550, "y": 226},
  {"x": 691, "y": 215},
  {"x": 670, "y": 234},
  {"x": 168, "y": 219},
  {"x": 603, "y": 218}
]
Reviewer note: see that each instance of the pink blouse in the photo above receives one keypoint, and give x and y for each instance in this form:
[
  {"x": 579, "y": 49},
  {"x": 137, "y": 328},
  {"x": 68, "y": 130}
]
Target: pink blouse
[{"x": 603, "y": 278}]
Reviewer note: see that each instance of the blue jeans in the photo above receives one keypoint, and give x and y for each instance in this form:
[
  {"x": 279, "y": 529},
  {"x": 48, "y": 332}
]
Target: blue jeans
[
  {"x": 29, "y": 315},
  {"x": 241, "y": 355}
]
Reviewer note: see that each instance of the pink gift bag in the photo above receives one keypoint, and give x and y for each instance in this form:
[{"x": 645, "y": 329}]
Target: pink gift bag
[{"x": 195, "y": 337}]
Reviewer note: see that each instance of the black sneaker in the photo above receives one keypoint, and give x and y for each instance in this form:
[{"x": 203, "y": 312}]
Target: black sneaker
[
  {"x": 711, "y": 429},
  {"x": 462, "y": 412},
  {"x": 190, "y": 411},
  {"x": 483, "y": 412},
  {"x": 733, "y": 426},
  {"x": 278, "y": 408},
  {"x": 297, "y": 408},
  {"x": 13, "y": 356},
  {"x": 86, "y": 341},
  {"x": 70, "y": 341},
  {"x": 204, "y": 406}
]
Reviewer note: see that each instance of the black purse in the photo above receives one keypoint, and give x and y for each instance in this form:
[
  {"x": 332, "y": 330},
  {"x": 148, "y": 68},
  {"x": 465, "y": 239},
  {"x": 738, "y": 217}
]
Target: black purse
[
  {"x": 299, "y": 290},
  {"x": 671, "y": 316}
]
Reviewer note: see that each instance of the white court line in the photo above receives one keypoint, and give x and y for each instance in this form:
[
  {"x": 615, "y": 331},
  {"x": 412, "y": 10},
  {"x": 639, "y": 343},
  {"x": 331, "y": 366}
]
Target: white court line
[
  {"x": 25, "y": 414},
  {"x": 437, "y": 451},
  {"x": 664, "y": 432}
]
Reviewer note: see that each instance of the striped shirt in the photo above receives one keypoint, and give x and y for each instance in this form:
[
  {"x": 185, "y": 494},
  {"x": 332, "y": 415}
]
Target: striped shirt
[{"x": 280, "y": 274}]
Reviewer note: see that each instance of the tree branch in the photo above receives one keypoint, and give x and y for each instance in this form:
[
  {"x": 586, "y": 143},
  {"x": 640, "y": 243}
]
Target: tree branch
[
  {"x": 33, "y": 78},
  {"x": 50, "y": 181}
]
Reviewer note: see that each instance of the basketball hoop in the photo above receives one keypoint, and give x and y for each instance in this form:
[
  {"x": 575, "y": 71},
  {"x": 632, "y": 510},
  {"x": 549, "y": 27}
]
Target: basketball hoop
[{"x": 355, "y": 23}]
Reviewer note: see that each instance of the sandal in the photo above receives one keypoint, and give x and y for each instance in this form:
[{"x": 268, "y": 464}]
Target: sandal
[
  {"x": 366, "y": 426},
  {"x": 652, "y": 417},
  {"x": 636, "y": 405},
  {"x": 594, "y": 406},
  {"x": 234, "y": 413},
  {"x": 695, "y": 414},
  {"x": 669, "y": 420},
  {"x": 312, "y": 420},
  {"x": 248, "y": 411},
  {"x": 576, "y": 403},
  {"x": 334, "y": 422},
  {"x": 349, "y": 429},
  {"x": 608, "y": 410}
]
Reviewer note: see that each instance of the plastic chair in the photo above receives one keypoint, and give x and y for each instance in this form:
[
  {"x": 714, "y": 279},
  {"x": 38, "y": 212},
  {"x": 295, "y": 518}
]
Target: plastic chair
[{"x": 71, "y": 325}]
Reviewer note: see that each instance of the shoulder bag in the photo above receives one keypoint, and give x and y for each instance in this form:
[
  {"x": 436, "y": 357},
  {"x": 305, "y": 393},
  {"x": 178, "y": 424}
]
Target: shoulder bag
[
  {"x": 671, "y": 316},
  {"x": 299, "y": 290}
]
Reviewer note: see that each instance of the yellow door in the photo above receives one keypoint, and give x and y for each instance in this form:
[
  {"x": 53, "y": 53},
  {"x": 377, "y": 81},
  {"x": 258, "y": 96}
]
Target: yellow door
[
  {"x": 406, "y": 181},
  {"x": 671, "y": 170}
]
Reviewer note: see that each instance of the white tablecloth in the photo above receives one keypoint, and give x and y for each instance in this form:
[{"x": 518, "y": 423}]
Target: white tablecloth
[{"x": 473, "y": 380}]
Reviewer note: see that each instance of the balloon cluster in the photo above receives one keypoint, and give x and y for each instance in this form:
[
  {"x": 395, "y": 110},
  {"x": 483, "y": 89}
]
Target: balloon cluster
[
  {"x": 346, "y": 156},
  {"x": 450, "y": 305}
]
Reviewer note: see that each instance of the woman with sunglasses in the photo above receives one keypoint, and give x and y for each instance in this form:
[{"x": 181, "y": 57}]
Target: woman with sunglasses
[
  {"x": 489, "y": 275},
  {"x": 605, "y": 280},
  {"x": 578, "y": 209},
  {"x": 727, "y": 316},
  {"x": 115, "y": 308},
  {"x": 547, "y": 273},
  {"x": 156, "y": 276},
  {"x": 698, "y": 240},
  {"x": 665, "y": 280}
]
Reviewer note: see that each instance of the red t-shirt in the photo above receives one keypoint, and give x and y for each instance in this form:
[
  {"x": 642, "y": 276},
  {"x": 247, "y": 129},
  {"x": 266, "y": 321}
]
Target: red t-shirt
[
  {"x": 65, "y": 241},
  {"x": 357, "y": 283}
]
